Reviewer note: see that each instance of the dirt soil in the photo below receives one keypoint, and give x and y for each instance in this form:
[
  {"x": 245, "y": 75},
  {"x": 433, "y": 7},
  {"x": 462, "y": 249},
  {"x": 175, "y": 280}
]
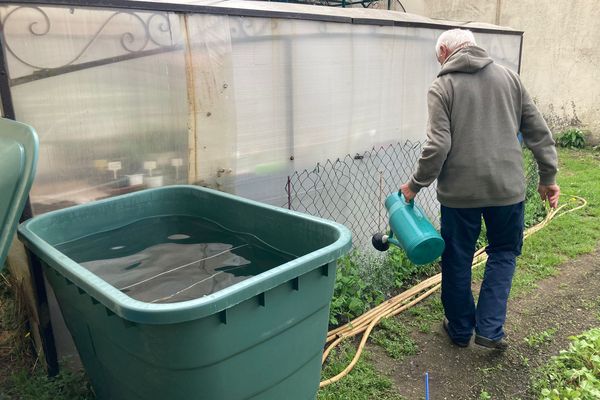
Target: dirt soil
[{"x": 568, "y": 302}]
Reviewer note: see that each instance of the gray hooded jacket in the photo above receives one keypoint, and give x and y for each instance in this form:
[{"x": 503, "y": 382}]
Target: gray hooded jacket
[{"x": 476, "y": 108}]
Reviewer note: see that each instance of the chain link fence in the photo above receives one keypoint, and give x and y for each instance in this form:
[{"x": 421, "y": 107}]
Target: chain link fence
[{"x": 352, "y": 190}]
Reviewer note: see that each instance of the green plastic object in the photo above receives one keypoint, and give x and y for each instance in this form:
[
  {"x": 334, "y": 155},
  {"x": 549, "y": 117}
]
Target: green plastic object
[
  {"x": 18, "y": 159},
  {"x": 412, "y": 231},
  {"x": 261, "y": 338}
]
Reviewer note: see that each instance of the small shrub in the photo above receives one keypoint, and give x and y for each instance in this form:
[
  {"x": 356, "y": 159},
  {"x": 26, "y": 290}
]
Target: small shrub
[
  {"x": 575, "y": 372},
  {"x": 572, "y": 138}
]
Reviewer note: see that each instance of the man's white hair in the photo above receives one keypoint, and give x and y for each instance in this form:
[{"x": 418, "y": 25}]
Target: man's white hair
[{"x": 455, "y": 39}]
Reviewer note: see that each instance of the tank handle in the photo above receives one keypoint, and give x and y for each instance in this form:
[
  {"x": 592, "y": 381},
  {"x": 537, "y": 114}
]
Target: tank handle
[{"x": 412, "y": 202}]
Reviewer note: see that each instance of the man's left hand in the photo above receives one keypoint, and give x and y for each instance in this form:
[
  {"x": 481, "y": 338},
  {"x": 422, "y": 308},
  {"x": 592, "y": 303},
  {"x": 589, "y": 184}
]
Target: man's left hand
[{"x": 408, "y": 194}]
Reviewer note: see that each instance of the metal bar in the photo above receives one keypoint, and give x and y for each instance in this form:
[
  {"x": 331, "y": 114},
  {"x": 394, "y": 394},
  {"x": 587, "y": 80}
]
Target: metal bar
[
  {"x": 520, "y": 55},
  {"x": 8, "y": 110},
  {"x": 203, "y": 9},
  {"x": 43, "y": 310},
  {"x": 289, "y": 192},
  {"x": 35, "y": 267},
  {"x": 192, "y": 120},
  {"x": 181, "y": 8},
  {"x": 47, "y": 73},
  {"x": 289, "y": 101}
]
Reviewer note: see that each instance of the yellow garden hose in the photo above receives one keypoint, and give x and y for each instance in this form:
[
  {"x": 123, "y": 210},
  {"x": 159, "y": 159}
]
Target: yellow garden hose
[{"x": 365, "y": 323}]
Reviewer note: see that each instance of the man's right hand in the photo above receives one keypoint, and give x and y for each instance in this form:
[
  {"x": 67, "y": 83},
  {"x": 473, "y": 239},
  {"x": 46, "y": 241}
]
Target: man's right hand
[{"x": 550, "y": 193}]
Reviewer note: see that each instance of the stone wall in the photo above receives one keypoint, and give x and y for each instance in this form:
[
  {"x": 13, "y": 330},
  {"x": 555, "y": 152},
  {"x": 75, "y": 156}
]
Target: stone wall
[{"x": 561, "y": 52}]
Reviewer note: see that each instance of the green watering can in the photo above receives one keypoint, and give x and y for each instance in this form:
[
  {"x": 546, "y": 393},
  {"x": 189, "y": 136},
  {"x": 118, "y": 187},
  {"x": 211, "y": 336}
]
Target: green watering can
[{"x": 410, "y": 230}]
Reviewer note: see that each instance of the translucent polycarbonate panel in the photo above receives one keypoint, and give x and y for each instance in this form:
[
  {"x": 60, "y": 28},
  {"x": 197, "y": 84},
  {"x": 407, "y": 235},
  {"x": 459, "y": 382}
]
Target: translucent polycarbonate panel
[
  {"x": 309, "y": 91},
  {"x": 123, "y": 99},
  {"x": 42, "y": 38},
  {"x": 117, "y": 125},
  {"x": 264, "y": 90},
  {"x": 504, "y": 49},
  {"x": 214, "y": 108}
]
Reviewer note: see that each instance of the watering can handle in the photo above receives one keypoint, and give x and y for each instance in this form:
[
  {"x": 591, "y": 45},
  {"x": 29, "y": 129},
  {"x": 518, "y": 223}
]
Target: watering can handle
[{"x": 412, "y": 202}]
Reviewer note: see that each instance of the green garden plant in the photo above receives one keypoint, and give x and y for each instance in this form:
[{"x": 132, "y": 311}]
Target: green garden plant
[
  {"x": 571, "y": 138},
  {"x": 575, "y": 372},
  {"x": 352, "y": 296},
  {"x": 537, "y": 339}
]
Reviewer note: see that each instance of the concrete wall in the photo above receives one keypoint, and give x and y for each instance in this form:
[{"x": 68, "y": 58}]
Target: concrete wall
[{"x": 561, "y": 50}]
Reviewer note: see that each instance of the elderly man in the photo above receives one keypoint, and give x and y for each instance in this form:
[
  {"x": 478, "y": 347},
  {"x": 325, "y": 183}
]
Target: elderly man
[{"x": 476, "y": 109}]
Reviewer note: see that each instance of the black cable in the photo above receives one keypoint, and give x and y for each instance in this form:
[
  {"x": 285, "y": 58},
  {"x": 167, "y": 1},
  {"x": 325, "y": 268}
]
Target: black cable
[{"x": 401, "y": 5}]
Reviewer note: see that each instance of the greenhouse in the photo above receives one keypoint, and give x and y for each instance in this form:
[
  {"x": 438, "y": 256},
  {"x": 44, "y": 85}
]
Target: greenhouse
[{"x": 280, "y": 133}]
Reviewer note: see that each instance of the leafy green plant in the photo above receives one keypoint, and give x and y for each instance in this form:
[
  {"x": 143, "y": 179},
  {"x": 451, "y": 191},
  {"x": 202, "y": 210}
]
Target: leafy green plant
[
  {"x": 571, "y": 138},
  {"x": 352, "y": 296},
  {"x": 575, "y": 372},
  {"x": 398, "y": 262},
  {"x": 540, "y": 338},
  {"x": 484, "y": 395},
  {"x": 365, "y": 280}
]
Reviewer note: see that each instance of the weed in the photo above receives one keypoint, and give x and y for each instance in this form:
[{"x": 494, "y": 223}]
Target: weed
[
  {"x": 537, "y": 339},
  {"x": 37, "y": 386},
  {"x": 484, "y": 395},
  {"x": 395, "y": 339},
  {"x": 427, "y": 313},
  {"x": 424, "y": 327}
]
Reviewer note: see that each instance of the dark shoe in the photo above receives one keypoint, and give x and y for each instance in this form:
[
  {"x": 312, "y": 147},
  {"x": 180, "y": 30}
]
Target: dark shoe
[
  {"x": 499, "y": 344},
  {"x": 459, "y": 344}
]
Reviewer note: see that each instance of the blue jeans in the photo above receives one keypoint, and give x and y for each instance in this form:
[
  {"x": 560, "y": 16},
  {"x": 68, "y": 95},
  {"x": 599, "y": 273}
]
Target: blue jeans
[{"x": 460, "y": 230}]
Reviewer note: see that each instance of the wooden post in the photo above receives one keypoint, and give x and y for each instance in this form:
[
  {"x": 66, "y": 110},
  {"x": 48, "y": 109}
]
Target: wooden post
[{"x": 191, "y": 99}]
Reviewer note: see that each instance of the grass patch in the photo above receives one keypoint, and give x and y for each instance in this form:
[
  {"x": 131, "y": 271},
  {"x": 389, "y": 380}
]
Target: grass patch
[
  {"x": 363, "y": 383},
  {"x": 574, "y": 373},
  {"x": 424, "y": 315},
  {"x": 567, "y": 236},
  {"x": 394, "y": 338},
  {"x": 21, "y": 377},
  {"x": 37, "y": 386}
]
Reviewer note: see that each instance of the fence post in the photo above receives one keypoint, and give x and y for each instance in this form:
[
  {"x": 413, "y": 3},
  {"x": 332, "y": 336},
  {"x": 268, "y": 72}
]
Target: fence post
[{"x": 289, "y": 192}]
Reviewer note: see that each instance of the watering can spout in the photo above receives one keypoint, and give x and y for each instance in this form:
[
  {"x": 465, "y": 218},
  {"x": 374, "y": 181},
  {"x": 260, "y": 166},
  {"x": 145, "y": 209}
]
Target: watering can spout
[{"x": 410, "y": 230}]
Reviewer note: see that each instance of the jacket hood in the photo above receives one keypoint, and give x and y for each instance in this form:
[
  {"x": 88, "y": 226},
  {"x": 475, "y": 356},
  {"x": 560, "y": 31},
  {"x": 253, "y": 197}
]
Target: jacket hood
[{"x": 468, "y": 60}]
